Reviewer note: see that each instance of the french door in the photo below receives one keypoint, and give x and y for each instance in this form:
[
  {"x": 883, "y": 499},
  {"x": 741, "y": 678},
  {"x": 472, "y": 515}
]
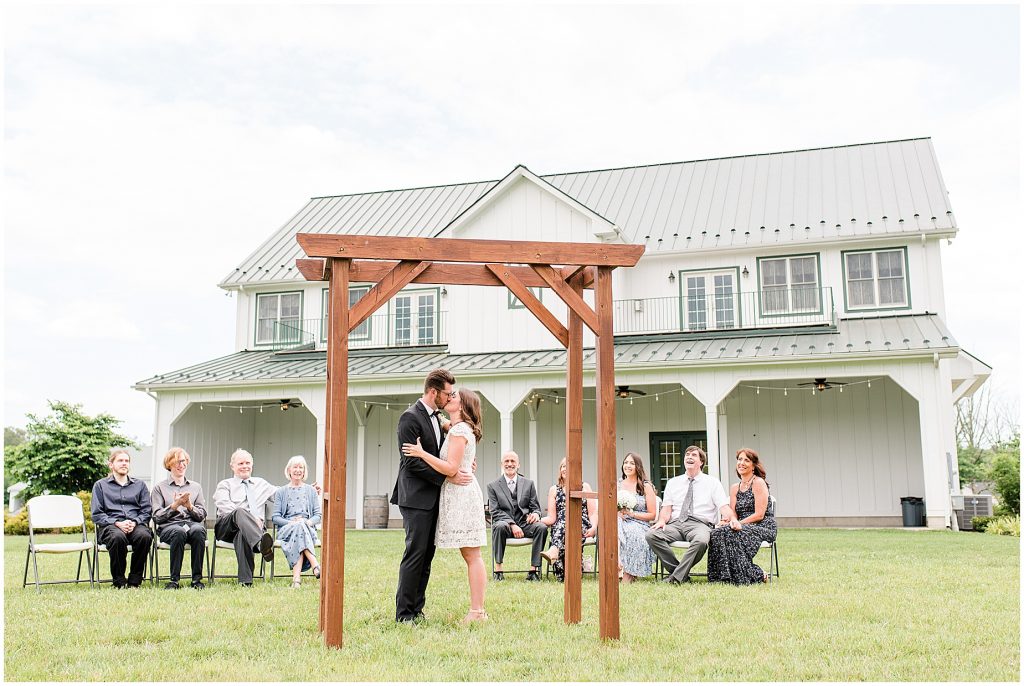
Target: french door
[
  {"x": 710, "y": 301},
  {"x": 415, "y": 318}
]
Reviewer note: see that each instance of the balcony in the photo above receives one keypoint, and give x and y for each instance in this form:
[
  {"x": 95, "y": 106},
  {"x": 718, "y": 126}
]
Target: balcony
[
  {"x": 400, "y": 330},
  {"x": 769, "y": 308}
]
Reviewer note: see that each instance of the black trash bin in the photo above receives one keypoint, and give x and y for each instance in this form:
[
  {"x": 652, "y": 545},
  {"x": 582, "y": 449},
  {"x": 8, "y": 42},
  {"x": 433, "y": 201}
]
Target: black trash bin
[{"x": 913, "y": 510}]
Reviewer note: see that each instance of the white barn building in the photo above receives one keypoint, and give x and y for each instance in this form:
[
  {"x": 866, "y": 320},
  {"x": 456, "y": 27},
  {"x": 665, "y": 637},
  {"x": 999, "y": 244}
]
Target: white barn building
[{"x": 762, "y": 273}]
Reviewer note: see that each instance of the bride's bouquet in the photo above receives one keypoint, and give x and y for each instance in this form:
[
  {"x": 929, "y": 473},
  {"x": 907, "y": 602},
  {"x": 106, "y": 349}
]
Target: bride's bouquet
[{"x": 626, "y": 501}]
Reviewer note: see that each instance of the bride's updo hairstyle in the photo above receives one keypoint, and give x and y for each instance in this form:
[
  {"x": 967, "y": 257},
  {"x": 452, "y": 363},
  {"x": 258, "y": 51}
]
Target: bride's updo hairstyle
[{"x": 471, "y": 411}]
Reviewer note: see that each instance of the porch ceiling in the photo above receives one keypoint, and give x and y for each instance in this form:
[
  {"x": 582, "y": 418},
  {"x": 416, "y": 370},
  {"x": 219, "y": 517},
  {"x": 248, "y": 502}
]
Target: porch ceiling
[{"x": 895, "y": 336}]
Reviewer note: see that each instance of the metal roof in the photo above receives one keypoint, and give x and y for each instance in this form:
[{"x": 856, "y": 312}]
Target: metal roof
[
  {"x": 869, "y": 189},
  {"x": 881, "y": 336}
]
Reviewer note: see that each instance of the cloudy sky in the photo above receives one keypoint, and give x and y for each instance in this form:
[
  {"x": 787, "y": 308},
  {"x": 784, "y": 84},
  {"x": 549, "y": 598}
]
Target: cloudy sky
[{"x": 148, "y": 150}]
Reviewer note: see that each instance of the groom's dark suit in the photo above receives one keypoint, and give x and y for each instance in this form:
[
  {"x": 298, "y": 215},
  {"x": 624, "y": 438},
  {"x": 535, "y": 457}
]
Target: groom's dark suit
[{"x": 416, "y": 493}]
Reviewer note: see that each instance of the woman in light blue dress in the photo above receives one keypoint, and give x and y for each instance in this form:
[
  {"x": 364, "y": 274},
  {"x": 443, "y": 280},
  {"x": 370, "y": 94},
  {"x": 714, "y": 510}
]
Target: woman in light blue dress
[
  {"x": 297, "y": 514},
  {"x": 635, "y": 556}
]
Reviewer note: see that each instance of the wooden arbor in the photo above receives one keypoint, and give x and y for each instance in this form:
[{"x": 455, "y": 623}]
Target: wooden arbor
[{"x": 565, "y": 268}]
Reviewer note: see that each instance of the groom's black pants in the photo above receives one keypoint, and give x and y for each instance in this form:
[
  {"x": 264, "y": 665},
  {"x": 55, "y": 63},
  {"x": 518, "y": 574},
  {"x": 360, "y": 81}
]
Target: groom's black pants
[{"x": 414, "y": 574}]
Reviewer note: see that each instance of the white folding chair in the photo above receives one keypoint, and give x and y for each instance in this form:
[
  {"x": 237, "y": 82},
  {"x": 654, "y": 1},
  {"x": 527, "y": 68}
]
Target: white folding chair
[
  {"x": 513, "y": 542},
  {"x": 218, "y": 544},
  {"x": 277, "y": 546},
  {"x": 159, "y": 545},
  {"x": 52, "y": 512}
]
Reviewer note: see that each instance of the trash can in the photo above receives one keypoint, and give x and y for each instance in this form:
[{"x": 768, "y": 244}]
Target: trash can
[{"x": 913, "y": 510}]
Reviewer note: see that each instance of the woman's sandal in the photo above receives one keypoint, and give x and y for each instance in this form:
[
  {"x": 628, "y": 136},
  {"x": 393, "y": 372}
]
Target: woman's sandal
[
  {"x": 316, "y": 571},
  {"x": 475, "y": 616}
]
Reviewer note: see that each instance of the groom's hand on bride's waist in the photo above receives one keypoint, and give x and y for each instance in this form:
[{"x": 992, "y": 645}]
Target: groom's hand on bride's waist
[{"x": 461, "y": 478}]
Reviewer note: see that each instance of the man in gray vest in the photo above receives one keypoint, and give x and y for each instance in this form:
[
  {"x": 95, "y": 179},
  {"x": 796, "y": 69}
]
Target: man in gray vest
[
  {"x": 515, "y": 511},
  {"x": 240, "y": 502},
  {"x": 692, "y": 505}
]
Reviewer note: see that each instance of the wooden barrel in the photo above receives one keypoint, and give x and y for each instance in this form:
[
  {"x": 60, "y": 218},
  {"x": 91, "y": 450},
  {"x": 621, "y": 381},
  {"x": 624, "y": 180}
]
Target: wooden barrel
[{"x": 376, "y": 511}]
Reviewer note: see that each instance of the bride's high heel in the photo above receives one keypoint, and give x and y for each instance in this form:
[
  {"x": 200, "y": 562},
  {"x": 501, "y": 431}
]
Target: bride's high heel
[{"x": 475, "y": 616}]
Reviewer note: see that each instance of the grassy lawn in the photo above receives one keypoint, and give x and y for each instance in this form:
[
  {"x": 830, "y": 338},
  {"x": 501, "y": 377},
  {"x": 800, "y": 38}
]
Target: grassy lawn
[{"x": 882, "y": 605}]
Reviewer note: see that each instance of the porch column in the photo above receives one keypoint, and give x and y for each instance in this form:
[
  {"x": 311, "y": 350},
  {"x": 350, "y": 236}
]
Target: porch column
[
  {"x": 725, "y": 462},
  {"x": 532, "y": 459},
  {"x": 711, "y": 422},
  {"x": 321, "y": 438},
  {"x": 933, "y": 454},
  {"x": 506, "y": 431},
  {"x": 361, "y": 416}
]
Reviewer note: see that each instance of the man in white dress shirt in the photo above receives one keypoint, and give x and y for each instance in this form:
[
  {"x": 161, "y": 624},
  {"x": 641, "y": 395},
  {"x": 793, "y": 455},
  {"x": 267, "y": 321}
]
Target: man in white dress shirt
[
  {"x": 240, "y": 503},
  {"x": 691, "y": 507}
]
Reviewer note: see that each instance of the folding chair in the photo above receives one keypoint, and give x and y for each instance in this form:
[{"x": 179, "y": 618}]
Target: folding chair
[
  {"x": 513, "y": 542},
  {"x": 277, "y": 546},
  {"x": 225, "y": 545},
  {"x": 51, "y": 512},
  {"x": 589, "y": 541},
  {"x": 102, "y": 548}
]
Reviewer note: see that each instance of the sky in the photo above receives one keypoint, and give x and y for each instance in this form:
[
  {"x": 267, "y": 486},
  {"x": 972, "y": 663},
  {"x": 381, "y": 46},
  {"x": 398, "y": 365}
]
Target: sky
[{"x": 149, "y": 149}]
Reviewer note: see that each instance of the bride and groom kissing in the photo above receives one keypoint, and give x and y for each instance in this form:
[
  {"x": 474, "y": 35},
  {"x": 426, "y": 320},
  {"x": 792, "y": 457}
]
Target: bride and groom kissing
[{"x": 440, "y": 499}]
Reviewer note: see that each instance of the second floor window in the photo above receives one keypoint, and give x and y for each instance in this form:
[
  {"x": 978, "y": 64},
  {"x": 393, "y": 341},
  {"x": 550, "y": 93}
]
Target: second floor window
[
  {"x": 278, "y": 318},
  {"x": 789, "y": 284},
  {"x": 361, "y": 332},
  {"x": 709, "y": 300},
  {"x": 415, "y": 318},
  {"x": 876, "y": 279}
]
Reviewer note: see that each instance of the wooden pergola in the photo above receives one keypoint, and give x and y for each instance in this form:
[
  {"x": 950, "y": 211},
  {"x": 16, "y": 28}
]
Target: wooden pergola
[{"x": 567, "y": 269}]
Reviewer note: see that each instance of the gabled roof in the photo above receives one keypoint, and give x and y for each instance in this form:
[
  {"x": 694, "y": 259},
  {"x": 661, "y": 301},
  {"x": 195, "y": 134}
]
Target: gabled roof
[
  {"x": 601, "y": 225},
  {"x": 870, "y": 189},
  {"x": 874, "y": 336}
]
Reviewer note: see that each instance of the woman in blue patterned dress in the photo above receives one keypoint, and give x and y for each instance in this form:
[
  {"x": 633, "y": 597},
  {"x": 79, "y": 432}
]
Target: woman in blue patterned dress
[
  {"x": 555, "y": 520},
  {"x": 735, "y": 542},
  {"x": 635, "y": 556},
  {"x": 296, "y": 514}
]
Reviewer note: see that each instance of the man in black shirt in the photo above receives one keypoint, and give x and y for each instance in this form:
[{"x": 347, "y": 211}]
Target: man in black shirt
[{"x": 121, "y": 508}]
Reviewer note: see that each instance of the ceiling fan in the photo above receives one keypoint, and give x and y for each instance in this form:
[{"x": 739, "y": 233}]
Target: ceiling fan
[
  {"x": 625, "y": 392},
  {"x": 822, "y": 384},
  {"x": 287, "y": 403}
]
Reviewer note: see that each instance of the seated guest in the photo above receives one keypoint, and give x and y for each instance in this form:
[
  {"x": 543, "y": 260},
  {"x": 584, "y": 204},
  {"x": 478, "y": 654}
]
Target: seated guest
[
  {"x": 240, "y": 501},
  {"x": 635, "y": 556},
  {"x": 180, "y": 516},
  {"x": 692, "y": 506},
  {"x": 736, "y": 541},
  {"x": 555, "y": 519},
  {"x": 515, "y": 511},
  {"x": 296, "y": 514},
  {"x": 121, "y": 508}
]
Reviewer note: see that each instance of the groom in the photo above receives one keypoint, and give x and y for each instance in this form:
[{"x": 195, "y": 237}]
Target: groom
[{"x": 417, "y": 492}]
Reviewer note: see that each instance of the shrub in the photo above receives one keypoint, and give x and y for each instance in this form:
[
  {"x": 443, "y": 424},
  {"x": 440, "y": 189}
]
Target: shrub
[
  {"x": 16, "y": 525},
  {"x": 980, "y": 523},
  {"x": 1005, "y": 472},
  {"x": 1004, "y": 526}
]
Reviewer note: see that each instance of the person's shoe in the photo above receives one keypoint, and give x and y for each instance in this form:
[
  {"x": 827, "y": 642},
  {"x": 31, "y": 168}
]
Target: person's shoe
[
  {"x": 267, "y": 546},
  {"x": 551, "y": 554},
  {"x": 498, "y": 576},
  {"x": 171, "y": 586},
  {"x": 198, "y": 585},
  {"x": 247, "y": 584},
  {"x": 132, "y": 584},
  {"x": 419, "y": 618},
  {"x": 118, "y": 584},
  {"x": 533, "y": 575},
  {"x": 316, "y": 571},
  {"x": 296, "y": 584}
]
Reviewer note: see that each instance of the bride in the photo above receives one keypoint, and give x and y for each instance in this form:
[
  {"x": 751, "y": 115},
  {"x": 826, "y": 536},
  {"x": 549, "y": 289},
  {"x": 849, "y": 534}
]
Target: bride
[{"x": 460, "y": 520}]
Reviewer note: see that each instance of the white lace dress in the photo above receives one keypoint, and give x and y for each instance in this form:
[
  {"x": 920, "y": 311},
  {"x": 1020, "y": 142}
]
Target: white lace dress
[{"x": 460, "y": 521}]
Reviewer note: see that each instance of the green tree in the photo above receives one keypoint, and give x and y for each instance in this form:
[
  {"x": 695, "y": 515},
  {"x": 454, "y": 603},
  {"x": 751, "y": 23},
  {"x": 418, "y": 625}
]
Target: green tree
[
  {"x": 1005, "y": 473},
  {"x": 66, "y": 451},
  {"x": 14, "y": 436}
]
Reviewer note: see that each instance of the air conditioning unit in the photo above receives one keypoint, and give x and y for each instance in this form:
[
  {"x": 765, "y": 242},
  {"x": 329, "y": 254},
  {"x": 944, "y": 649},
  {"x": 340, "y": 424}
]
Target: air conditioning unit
[{"x": 974, "y": 506}]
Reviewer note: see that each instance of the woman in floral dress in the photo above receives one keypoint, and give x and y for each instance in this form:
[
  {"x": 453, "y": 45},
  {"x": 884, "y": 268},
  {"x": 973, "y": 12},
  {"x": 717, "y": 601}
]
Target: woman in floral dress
[
  {"x": 735, "y": 542},
  {"x": 555, "y": 520},
  {"x": 635, "y": 556}
]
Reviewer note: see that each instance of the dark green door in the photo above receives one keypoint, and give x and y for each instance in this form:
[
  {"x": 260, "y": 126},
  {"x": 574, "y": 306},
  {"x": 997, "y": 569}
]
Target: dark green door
[{"x": 667, "y": 448}]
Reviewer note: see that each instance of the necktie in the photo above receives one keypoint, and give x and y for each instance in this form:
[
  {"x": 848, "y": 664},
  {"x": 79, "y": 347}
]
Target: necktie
[
  {"x": 688, "y": 500},
  {"x": 248, "y": 500}
]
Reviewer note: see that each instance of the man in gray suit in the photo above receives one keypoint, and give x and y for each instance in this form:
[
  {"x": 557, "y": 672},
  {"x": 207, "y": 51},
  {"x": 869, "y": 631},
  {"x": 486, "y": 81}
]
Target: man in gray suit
[{"x": 515, "y": 511}]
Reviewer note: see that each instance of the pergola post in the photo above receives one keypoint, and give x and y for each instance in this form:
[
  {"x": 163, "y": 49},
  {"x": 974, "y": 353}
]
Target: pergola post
[
  {"x": 573, "y": 592},
  {"x": 608, "y": 540}
]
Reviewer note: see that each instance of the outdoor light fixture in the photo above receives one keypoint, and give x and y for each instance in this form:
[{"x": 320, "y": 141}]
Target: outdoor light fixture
[
  {"x": 746, "y": 272},
  {"x": 671, "y": 277}
]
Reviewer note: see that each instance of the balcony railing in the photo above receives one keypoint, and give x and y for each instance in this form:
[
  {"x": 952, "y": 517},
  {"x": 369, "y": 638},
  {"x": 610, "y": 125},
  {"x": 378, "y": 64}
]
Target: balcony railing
[
  {"x": 769, "y": 308},
  {"x": 379, "y": 331}
]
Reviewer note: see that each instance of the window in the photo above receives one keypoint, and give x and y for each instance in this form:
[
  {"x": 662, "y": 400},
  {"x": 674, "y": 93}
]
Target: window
[
  {"x": 876, "y": 279},
  {"x": 415, "y": 318},
  {"x": 515, "y": 303},
  {"x": 361, "y": 332},
  {"x": 278, "y": 318},
  {"x": 709, "y": 300},
  {"x": 789, "y": 284}
]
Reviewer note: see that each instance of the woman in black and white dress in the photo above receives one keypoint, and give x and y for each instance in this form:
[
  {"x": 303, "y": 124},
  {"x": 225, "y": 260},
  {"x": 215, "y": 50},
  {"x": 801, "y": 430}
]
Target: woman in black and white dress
[{"x": 735, "y": 542}]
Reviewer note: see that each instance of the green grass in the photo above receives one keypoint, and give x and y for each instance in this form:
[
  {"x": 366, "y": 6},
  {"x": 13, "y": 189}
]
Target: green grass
[{"x": 869, "y": 605}]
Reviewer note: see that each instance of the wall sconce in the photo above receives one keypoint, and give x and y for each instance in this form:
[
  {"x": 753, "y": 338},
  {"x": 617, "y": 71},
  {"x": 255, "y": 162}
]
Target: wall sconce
[
  {"x": 671, "y": 277},
  {"x": 444, "y": 292},
  {"x": 746, "y": 272}
]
